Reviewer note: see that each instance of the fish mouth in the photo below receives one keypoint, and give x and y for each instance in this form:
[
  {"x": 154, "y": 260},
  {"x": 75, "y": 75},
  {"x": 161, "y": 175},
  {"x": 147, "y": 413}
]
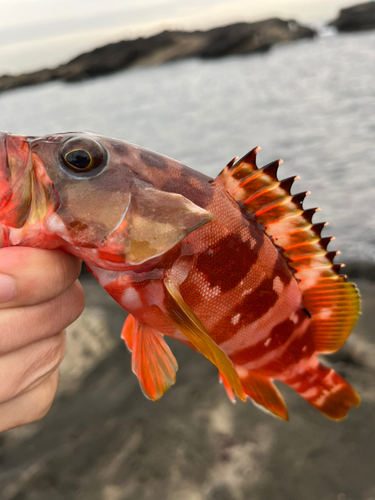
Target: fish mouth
[
  {"x": 5, "y": 188},
  {"x": 15, "y": 188},
  {"x": 25, "y": 189}
]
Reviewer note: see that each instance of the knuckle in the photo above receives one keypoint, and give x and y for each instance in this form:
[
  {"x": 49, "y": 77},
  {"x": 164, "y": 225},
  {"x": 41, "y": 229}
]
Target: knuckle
[
  {"x": 30, "y": 406},
  {"x": 79, "y": 298},
  {"x": 73, "y": 303},
  {"x": 32, "y": 366},
  {"x": 67, "y": 267},
  {"x": 54, "y": 351},
  {"x": 44, "y": 397},
  {"x": 65, "y": 308}
]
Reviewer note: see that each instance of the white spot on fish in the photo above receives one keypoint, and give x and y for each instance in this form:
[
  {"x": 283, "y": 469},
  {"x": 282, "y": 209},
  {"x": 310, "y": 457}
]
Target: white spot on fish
[
  {"x": 294, "y": 318},
  {"x": 235, "y": 319},
  {"x": 206, "y": 291},
  {"x": 154, "y": 294},
  {"x": 131, "y": 298},
  {"x": 304, "y": 349},
  {"x": 278, "y": 285},
  {"x": 267, "y": 342},
  {"x": 325, "y": 314}
]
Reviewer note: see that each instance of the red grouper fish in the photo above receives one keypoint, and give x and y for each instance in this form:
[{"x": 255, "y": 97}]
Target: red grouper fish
[{"x": 232, "y": 266}]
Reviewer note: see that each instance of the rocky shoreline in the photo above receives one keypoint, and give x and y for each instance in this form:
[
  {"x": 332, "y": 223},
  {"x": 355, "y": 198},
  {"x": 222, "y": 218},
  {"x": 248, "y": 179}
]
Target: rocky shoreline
[
  {"x": 239, "y": 38},
  {"x": 104, "y": 440},
  {"x": 234, "y": 39},
  {"x": 357, "y": 18}
]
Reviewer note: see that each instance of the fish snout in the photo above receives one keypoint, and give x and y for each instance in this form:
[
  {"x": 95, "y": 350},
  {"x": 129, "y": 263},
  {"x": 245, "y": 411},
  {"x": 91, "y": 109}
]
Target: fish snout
[
  {"x": 15, "y": 179},
  {"x": 5, "y": 187}
]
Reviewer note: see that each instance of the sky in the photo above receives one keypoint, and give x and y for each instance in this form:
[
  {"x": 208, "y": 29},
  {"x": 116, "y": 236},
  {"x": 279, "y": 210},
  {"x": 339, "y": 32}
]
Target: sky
[{"x": 44, "y": 33}]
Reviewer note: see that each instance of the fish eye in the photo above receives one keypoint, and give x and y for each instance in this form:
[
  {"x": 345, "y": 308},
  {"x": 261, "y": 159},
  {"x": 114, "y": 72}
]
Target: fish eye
[
  {"x": 82, "y": 154},
  {"x": 79, "y": 159}
]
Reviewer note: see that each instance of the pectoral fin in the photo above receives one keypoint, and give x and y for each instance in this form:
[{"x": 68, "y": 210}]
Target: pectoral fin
[
  {"x": 152, "y": 360},
  {"x": 188, "y": 324},
  {"x": 127, "y": 332}
]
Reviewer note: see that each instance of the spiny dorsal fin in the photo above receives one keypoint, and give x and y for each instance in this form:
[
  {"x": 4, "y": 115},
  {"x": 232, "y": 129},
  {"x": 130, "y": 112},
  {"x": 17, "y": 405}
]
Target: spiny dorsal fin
[{"x": 332, "y": 302}]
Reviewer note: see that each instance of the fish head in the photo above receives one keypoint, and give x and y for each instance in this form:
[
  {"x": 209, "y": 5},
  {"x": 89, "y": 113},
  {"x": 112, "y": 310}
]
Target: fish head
[{"x": 93, "y": 196}]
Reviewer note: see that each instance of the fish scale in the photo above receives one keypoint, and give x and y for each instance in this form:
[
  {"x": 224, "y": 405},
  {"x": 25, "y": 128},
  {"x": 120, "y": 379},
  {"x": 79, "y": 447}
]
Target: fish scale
[{"x": 232, "y": 267}]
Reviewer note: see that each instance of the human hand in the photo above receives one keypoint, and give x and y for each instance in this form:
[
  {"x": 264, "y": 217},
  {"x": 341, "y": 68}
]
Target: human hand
[{"x": 39, "y": 297}]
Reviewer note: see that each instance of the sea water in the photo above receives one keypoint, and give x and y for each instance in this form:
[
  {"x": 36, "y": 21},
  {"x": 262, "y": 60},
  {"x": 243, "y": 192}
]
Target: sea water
[{"x": 311, "y": 103}]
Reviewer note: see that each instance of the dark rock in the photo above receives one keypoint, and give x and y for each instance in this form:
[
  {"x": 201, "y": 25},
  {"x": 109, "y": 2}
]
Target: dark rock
[
  {"x": 356, "y": 18},
  {"x": 239, "y": 38}
]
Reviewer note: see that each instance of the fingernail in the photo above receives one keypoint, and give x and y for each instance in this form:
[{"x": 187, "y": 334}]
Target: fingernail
[{"x": 8, "y": 289}]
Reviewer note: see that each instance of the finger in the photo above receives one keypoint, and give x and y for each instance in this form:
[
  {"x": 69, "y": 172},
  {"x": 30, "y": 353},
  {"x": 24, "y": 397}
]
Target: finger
[
  {"x": 30, "y": 406},
  {"x": 22, "y": 326},
  {"x": 27, "y": 367},
  {"x": 38, "y": 275}
]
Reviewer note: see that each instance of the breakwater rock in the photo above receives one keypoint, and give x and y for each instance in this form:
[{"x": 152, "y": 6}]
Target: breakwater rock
[
  {"x": 356, "y": 18},
  {"x": 239, "y": 38}
]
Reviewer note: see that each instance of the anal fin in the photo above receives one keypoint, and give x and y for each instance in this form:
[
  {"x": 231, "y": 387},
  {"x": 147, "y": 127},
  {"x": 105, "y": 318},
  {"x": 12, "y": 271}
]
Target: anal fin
[
  {"x": 227, "y": 387},
  {"x": 264, "y": 393},
  {"x": 152, "y": 360}
]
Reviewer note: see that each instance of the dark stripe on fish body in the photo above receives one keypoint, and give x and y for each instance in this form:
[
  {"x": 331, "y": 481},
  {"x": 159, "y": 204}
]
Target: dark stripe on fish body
[
  {"x": 301, "y": 347},
  {"x": 120, "y": 149},
  {"x": 227, "y": 263},
  {"x": 253, "y": 306},
  {"x": 257, "y": 303},
  {"x": 282, "y": 270},
  {"x": 153, "y": 160},
  {"x": 278, "y": 336},
  {"x": 183, "y": 185}
]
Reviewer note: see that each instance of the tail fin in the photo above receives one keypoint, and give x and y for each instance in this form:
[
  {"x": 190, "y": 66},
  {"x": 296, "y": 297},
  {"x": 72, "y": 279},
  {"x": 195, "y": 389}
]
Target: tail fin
[{"x": 324, "y": 389}]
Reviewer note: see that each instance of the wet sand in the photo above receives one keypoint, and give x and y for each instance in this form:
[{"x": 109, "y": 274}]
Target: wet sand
[{"x": 102, "y": 440}]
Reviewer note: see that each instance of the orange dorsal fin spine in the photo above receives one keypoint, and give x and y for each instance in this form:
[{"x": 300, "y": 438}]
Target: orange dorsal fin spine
[
  {"x": 332, "y": 302},
  {"x": 152, "y": 360}
]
